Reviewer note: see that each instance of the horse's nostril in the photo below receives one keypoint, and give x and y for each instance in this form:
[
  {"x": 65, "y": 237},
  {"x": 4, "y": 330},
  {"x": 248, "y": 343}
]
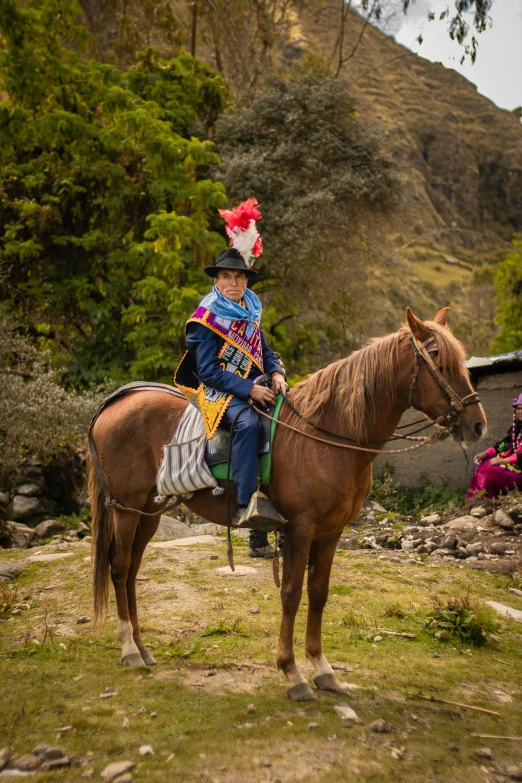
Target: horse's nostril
[{"x": 479, "y": 428}]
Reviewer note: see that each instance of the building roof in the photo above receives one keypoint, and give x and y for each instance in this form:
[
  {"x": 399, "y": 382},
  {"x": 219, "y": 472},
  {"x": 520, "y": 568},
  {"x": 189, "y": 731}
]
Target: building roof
[{"x": 499, "y": 362}]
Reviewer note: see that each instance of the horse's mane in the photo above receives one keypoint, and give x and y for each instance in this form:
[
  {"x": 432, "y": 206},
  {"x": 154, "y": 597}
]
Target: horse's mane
[{"x": 358, "y": 385}]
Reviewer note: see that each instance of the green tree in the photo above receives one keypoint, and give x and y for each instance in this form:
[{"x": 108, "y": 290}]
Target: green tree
[
  {"x": 508, "y": 285},
  {"x": 106, "y": 205},
  {"x": 322, "y": 180}
]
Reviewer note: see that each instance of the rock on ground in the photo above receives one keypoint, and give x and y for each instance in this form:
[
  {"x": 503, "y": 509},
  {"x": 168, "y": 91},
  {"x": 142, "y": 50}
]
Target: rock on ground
[
  {"x": 465, "y": 524},
  {"x": 22, "y": 508},
  {"x": 207, "y": 529},
  {"x": 30, "y": 490},
  {"x": 8, "y": 571},
  {"x": 27, "y": 763},
  {"x": 117, "y": 768},
  {"x": 503, "y": 520},
  {"x": 346, "y": 713},
  {"x": 505, "y": 611},
  {"x": 48, "y": 528},
  {"x": 49, "y": 558},
  {"x": 185, "y": 541},
  {"x": 431, "y": 519},
  {"x": 5, "y": 755},
  {"x": 170, "y": 528},
  {"x": 240, "y": 570}
]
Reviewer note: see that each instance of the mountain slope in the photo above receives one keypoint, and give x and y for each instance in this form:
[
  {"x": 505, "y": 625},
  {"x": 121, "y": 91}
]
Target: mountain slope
[{"x": 459, "y": 156}]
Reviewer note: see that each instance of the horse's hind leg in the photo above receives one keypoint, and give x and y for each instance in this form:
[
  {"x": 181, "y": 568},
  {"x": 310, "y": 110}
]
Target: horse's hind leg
[
  {"x": 120, "y": 554},
  {"x": 319, "y": 567},
  {"x": 296, "y": 549},
  {"x": 146, "y": 529}
]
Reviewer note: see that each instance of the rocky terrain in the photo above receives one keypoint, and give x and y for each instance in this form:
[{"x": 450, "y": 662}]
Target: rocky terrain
[{"x": 486, "y": 537}]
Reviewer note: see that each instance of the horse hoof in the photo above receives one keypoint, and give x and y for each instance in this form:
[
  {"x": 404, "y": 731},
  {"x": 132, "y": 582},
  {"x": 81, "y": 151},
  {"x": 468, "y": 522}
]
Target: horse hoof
[
  {"x": 327, "y": 682},
  {"x": 134, "y": 659},
  {"x": 148, "y": 658},
  {"x": 301, "y": 692}
]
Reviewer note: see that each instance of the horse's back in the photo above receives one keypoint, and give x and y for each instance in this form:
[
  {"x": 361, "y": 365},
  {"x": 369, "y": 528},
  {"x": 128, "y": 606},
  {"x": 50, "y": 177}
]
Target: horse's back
[{"x": 130, "y": 433}]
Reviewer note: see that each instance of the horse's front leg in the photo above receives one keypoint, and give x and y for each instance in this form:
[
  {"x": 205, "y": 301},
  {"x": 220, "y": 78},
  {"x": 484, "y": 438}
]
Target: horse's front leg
[
  {"x": 145, "y": 530},
  {"x": 296, "y": 549},
  {"x": 120, "y": 555},
  {"x": 319, "y": 567}
]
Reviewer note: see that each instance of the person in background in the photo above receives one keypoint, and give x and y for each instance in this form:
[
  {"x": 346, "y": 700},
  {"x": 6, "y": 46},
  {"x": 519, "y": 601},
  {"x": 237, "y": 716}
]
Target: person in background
[{"x": 500, "y": 467}]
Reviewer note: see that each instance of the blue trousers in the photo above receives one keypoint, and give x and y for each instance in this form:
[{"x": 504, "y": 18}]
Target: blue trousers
[{"x": 246, "y": 442}]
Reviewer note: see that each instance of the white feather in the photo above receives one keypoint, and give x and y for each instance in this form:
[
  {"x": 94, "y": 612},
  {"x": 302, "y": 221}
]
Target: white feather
[{"x": 244, "y": 241}]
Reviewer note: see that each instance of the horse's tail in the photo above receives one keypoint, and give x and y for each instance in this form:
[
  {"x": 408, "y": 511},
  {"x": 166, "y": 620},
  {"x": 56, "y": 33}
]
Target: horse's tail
[{"x": 102, "y": 532}]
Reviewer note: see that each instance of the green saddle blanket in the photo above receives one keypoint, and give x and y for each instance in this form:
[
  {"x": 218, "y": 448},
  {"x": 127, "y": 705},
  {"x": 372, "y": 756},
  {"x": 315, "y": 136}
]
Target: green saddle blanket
[{"x": 221, "y": 470}]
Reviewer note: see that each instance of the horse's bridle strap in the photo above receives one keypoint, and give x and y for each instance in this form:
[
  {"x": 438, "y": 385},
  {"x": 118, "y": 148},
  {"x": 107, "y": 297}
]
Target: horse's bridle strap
[{"x": 457, "y": 404}]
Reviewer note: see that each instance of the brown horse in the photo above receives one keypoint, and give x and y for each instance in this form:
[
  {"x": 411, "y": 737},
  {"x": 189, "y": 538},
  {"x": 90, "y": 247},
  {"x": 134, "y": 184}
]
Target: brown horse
[{"x": 318, "y": 488}]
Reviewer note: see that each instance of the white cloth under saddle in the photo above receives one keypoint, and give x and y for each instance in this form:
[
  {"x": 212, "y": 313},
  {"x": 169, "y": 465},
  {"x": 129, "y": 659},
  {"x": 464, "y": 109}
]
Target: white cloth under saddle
[{"x": 183, "y": 469}]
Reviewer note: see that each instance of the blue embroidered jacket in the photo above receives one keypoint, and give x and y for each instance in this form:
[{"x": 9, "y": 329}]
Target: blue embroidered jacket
[{"x": 204, "y": 346}]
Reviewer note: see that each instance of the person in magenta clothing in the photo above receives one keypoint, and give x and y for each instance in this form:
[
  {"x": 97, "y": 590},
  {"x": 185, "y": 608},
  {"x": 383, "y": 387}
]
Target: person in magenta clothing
[{"x": 500, "y": 467}]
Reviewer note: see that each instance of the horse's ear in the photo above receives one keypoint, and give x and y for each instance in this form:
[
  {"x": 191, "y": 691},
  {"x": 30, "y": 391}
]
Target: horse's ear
[
  {"x": 442, "y": 316},
  {"x": 417, "y": 327}
]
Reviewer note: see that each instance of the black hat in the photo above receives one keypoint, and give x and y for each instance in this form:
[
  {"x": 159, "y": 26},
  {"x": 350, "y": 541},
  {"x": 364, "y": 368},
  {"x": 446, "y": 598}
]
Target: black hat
[{"x": 229, "y": 259}]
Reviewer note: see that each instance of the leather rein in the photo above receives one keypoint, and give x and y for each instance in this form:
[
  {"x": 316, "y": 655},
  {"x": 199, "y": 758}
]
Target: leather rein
[{"x": 445, "y": 421}]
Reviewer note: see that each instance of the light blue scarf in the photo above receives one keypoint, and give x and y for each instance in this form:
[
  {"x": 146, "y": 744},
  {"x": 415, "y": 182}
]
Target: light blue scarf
[{"x": 226, "y": 308}]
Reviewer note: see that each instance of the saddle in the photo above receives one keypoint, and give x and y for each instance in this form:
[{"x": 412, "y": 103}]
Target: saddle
[{"x": 217, "y": 448}]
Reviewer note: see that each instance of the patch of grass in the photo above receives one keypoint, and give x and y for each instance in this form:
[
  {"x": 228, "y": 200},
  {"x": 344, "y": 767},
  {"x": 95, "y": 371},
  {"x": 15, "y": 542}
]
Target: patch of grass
[
  {"x": 461, "y": 620},
  {"x": 394, "y": 610},
  {"x": 70, "y": 521},
  {"x": 225, "y": 629},
  {"x": 52, "y": 686},
  {"x": 340, "y": 590},
  {"x": 414, "y": 501},
  {"x": 9, "y": 597},
  {"x": 182, "y": 651}
]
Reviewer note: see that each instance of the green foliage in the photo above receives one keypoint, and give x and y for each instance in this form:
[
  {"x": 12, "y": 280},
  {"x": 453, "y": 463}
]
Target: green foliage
[
  {"x": 225, "y": 629},
  {"x": 395, "y": 610},
  {"x": 414, "y": 501},
  {"x": 367, "y": 542},
  {"x": 508, "y": 284},
  {"x": 319, "y": 173},
  {"x": 178, "y": 650},
  {"x": 458, "y": 619},
  {"x": 105, "y": 198},
  {"x": 72, "y": 520},
  {"x": 38, "y": 417}
]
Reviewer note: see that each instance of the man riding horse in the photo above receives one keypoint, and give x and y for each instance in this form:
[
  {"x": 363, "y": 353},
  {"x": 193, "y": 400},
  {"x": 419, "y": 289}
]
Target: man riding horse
[{"x": 227, "y": 353}]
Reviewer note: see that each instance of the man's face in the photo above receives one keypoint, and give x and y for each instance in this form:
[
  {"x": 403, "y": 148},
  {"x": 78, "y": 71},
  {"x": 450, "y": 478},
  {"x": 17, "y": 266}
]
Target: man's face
[
  {"x": 231, "y": 283},
  {"x": 518, "y": 412}
]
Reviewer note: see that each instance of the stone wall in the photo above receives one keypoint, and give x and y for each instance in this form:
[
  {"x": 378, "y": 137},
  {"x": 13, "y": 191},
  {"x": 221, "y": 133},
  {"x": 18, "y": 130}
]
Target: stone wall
[
  {"x": 447, "y": 460},
  {"x": 36, "y": 495}
]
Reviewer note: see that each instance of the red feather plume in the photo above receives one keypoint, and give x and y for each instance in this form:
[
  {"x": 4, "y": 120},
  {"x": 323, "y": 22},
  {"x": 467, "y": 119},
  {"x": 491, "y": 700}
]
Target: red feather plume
[{"x": 240, "y": 216}]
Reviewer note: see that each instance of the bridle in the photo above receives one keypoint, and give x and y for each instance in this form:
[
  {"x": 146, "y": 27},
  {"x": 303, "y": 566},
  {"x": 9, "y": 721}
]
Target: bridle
[
  {"x": 457, "y": 404},
  {"x": 445, "y": 422}
]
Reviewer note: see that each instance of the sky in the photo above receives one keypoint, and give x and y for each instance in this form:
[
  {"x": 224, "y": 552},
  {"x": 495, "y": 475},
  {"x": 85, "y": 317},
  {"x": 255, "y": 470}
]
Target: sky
[{"x": 497, "y": 71}]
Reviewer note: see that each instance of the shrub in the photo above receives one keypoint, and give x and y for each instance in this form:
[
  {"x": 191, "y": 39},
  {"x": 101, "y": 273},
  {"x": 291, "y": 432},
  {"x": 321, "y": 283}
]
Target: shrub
[
  {"x": 461, "y": 620},
  {"x": 38, "y": 417},
  {"x": 414, "y": 501}
]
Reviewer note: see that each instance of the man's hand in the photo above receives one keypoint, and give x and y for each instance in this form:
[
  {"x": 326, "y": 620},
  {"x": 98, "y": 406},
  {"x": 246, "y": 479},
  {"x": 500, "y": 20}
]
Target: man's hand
[
  {"x": 263, "y": 395},
  {"x": 499, "y": 461},
  {"x": 279, "y": 384}
]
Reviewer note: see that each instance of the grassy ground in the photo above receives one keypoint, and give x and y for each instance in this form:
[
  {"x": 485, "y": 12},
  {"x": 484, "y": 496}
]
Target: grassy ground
[{"x": 215, "y": 658}]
